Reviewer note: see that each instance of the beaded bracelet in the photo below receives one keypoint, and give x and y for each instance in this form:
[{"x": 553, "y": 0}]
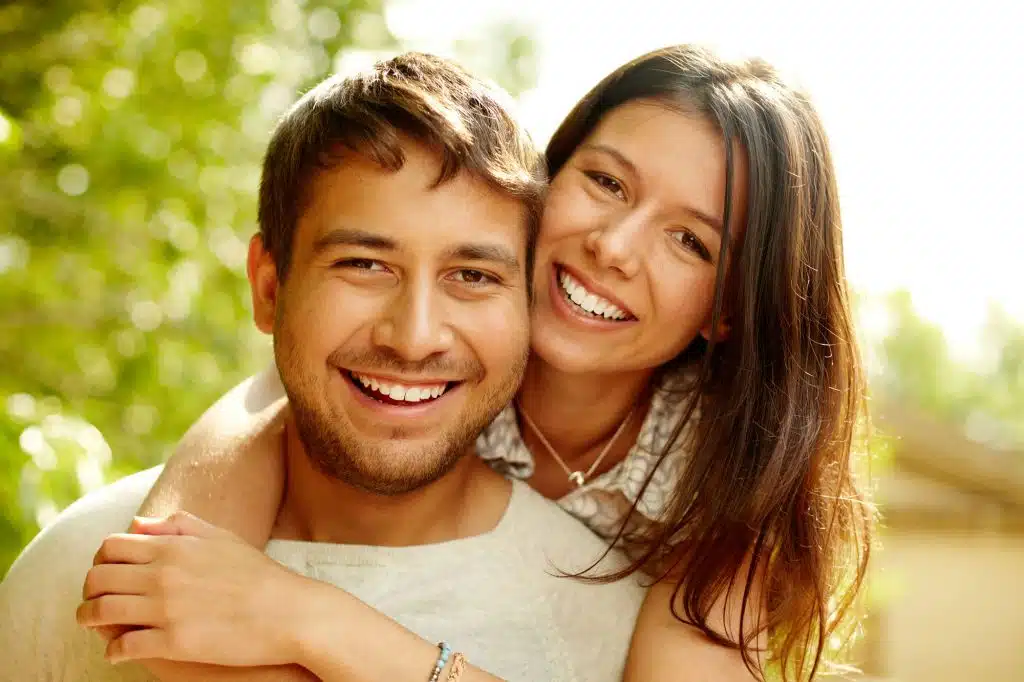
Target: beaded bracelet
[
  {"x": 442, "y": 661},
  {"x": 458, "y": 665}
]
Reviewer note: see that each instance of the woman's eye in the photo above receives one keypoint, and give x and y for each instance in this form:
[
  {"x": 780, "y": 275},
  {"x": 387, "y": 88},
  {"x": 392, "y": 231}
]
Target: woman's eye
[
  {"x": 690, "y": 241},
  {"x": 607, "y": 183},
  {"x": 365, "y": 264},
  {"x": 474, "y": 277}
]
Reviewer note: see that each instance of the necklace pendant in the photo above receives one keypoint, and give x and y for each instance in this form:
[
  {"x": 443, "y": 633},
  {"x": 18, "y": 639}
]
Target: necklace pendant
[{"x": 577, "y": 478}]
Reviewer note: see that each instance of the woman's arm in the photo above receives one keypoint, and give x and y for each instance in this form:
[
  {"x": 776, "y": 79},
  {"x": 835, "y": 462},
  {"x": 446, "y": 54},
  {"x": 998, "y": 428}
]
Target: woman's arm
[
  {"x": 219, "y": 601},
  {"x": 174, "y": 671},
  {"x": 341, "y": 639},
  {"x": 229, "y": 468},
  {"x": 186, "y": 598},
  {"x": 667, "y": 650},
  {"x": 373, "y": 647},
  {"x": 663, "y": 649}
]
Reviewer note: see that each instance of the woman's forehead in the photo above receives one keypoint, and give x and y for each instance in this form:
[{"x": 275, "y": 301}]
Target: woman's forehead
[{"x": 676, "y": 157}]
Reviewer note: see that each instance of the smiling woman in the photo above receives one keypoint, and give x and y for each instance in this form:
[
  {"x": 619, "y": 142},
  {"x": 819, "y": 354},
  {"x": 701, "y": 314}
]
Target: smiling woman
[{"x": 660, "y": 218}]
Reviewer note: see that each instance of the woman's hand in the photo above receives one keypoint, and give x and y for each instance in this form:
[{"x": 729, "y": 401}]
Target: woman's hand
[{"x": 181, "y": 589}]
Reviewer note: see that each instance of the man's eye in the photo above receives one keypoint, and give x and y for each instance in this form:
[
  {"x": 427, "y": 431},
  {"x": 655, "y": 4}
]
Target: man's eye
[
  {"x": 366, "y": 264},
  {"x": 473, "y": 277}
]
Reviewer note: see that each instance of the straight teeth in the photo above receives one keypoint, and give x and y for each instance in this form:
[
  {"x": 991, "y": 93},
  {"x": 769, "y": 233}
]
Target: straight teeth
[
  {"x": 588, "y": 301},
  {"x": 401, "y": 392}
]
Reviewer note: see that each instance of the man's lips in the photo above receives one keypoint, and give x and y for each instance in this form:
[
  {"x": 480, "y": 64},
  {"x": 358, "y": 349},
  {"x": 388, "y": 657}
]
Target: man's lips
[{"x": 398, "y": 391}]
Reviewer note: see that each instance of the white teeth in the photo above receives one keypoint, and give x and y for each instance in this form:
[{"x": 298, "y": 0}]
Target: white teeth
[
  {"x": 407, "y": 394},
  {"x": 590, "y": 302}
]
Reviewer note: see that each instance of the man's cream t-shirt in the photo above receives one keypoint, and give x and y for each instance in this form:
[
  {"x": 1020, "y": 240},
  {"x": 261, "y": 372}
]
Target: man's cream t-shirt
[{"x": 496, "y": 597}]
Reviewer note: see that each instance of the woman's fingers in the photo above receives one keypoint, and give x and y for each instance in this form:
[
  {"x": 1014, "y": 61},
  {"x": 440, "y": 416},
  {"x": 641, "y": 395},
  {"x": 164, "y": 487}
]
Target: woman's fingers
[
  {"x": 118, "y": 609},
  {"x": 178, "y": 523},
  {"x": 130, "y": 579},
  {"x": 141, "y": 644},
  {"x": 127, "y": 548}
]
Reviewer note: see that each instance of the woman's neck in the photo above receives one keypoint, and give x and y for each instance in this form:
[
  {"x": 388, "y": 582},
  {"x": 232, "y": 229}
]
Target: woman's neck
[{"x": 579, "y": 413}]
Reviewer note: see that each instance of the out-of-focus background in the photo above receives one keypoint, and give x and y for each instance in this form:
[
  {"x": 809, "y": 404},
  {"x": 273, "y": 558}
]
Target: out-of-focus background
[{"x": 130, "y": 141}]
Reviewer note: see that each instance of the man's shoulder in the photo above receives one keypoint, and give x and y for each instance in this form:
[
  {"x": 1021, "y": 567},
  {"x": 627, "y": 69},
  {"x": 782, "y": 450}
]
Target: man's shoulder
[
  {"x": 40, "y": 593},
  {"x": 538, "y": 517},
  {"x": 562, "y": 538},
  {"x": 79, "y": 529},
  {"x": 594, "y": 618}
]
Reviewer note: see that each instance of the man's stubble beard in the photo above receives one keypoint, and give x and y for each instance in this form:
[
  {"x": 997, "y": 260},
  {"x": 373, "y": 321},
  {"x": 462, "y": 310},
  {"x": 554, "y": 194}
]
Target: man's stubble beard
[{"x": 342, "y": 456}]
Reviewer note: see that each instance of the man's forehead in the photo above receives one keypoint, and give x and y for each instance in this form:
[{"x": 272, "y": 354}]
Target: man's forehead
[{"x": 389, "y": 206}]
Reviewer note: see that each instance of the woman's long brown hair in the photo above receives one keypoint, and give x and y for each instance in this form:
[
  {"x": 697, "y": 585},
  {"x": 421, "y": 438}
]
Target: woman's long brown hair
[{"x": 768, "y": 497}]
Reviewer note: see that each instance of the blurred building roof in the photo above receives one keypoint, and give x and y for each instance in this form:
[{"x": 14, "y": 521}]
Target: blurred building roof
[{"x": 939, "y": 477}]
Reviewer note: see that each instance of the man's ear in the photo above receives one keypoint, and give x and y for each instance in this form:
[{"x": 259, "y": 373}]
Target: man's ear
[{"x": 262, "y": 272}]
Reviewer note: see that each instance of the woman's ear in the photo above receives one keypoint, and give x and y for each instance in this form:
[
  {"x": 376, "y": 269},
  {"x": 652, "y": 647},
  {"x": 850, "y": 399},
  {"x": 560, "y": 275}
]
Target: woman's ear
[{"x": 719, "y": 333}]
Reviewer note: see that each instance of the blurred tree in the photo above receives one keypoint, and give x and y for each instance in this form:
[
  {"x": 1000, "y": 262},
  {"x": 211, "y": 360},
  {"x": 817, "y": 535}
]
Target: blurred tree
[
  {"x": 984, "y": 397},
  {"x": 131, "y": 135}
]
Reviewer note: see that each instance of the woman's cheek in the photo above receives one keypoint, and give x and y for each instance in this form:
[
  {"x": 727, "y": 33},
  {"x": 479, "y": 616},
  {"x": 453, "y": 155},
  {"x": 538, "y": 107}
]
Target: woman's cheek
[
  {"x": 567, "y": 211},
  {"x": 681, "y": 309}
]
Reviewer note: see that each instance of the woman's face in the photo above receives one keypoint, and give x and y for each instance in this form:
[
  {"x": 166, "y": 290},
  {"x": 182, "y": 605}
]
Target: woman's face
[{"x": 630, "y": 241}]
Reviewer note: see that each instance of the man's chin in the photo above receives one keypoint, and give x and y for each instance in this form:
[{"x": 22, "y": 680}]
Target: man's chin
[
  {"x": 392, "y": 466},
  {"x": 393, "y": 461},
  {"x": 390, "y": 487},
  {"x": 393, "y": 478}
]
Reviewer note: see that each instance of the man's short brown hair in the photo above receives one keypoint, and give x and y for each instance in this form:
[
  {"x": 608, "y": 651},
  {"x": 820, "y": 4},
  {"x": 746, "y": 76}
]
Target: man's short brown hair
[{"x": 428, "y": 98}]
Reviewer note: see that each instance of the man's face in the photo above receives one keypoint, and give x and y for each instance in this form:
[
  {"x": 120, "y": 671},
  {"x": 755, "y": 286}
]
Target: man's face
[{"x": 401, "y": 328}]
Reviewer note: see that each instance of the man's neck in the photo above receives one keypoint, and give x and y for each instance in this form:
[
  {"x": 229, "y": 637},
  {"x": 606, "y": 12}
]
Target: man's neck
[{"x": 469, "y": 500}]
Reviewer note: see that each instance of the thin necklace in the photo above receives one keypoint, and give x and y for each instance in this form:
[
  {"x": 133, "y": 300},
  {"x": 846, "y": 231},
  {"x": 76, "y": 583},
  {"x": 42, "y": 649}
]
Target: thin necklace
[{"x": 577, "y": 477}]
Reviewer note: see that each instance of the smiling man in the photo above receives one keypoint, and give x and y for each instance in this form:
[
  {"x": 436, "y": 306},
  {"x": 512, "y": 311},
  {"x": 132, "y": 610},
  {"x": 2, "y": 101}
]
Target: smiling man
[{"x": 398, "y": 211}]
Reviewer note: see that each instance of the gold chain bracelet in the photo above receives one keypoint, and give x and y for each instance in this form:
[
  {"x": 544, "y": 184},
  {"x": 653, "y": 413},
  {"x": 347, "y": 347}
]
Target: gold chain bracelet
[{"x": 458, "y": 665}]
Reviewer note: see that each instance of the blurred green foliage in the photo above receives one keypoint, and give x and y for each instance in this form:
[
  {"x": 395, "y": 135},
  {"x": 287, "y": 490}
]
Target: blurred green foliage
[
  {"x": 131, "y": 135},
  {"x": 982, "y": 394}
]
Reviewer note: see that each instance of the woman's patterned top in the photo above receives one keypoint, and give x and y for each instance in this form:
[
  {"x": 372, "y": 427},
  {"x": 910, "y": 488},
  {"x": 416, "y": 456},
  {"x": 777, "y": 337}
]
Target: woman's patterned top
[{"x": 603, "y": 501}]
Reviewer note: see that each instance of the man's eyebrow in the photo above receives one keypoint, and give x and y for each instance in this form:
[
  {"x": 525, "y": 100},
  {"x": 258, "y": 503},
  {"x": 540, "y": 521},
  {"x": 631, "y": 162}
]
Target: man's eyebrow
[
  {"x": 493, "y": 253},
  {"x": 706, "y": 218},
  {"x": 350, "y": 237}
]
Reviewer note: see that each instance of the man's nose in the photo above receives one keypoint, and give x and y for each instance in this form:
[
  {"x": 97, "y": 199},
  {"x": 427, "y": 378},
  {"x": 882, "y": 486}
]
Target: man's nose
[{"x": 414, "y": 324}]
